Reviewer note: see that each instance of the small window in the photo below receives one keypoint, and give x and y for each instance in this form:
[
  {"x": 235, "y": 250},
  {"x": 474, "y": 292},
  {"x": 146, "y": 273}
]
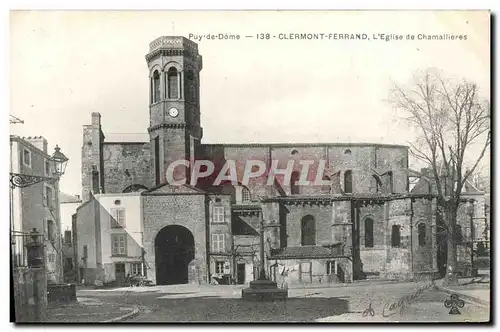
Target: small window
[
  {"x": 219, "y": 267},
  {"x": 348, "y": 182},
  {"x": 218, "y": 214},
  {"x": 369, "y": 233},
  {"x": 47, "y": 168},
  {"x": 85, "y": 251},
  {"x": 347, "y": 152},
  {"x": 218, "y": 242},
  {"x": 245, "y": 195},
  {"x": 51, "y": 230},
  {"x": 48, "y": 197},
  {"x": 117, "y": 218},
  {"x": 294, "y": 152},
  {"x": 67, "y": 237},
  {"x": 396, "y": 236},
  {"x": 118, "y": 245},
  {"x": 421, "y": 234},
  {"x": 68, "y": 262},
  {"x": 26, "y": 157},
  {"x": 136, "y": 268},
  {"x": 52, "y": 258},
  {"x": 331, "y": 267}
]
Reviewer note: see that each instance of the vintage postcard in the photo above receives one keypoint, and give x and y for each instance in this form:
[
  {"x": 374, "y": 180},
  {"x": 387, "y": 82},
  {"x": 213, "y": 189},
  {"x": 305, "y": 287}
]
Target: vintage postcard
[{"x": 250, "y": 166}]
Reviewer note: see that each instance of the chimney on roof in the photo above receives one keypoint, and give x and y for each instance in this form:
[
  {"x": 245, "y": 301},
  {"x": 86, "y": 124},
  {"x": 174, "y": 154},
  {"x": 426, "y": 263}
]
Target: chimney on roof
[{"x": 38, "y": 141}]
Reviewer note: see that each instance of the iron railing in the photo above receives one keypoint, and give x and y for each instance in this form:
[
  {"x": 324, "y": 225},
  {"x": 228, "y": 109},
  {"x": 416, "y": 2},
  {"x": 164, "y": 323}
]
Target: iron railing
[{"x": 19, "y": 242}]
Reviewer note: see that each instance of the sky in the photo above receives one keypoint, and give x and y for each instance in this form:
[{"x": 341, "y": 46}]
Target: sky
[{"x": 65, "y": 65}]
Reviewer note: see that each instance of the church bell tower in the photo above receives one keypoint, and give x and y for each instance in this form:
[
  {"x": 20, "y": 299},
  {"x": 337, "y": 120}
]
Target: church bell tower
[{"x": 174, "y": 107}]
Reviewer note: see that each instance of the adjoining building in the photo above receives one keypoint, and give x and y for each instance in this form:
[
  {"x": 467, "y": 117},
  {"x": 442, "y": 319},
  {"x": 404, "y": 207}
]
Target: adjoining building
[
  {"x": 68, "y": 206},
  {"x": 35, "y": 206},
  {"x": 362, "y": 221}
]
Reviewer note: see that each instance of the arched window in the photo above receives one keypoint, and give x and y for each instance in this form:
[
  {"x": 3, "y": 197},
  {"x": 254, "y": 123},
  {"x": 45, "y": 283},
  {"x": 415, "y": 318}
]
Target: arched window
[
  {"x": 308, "y": 231},
  {"x": 369, "y": 233},
  {"x": 348, "y": 182},
  {"x": 294, "y": 187},
  {"x": 396, "y": 236},
  {"x": 190, "y": 90},
  {"x": 135, "y": 188},
  {"x": 172, "y": 83},
  {"x": 155, "y": 87},
  {"x": 245, "y": 195},
  {"x": 421, "y": 234}
]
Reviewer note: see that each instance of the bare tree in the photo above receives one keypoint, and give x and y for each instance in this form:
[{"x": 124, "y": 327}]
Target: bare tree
[{"x": 453, "y": 134}]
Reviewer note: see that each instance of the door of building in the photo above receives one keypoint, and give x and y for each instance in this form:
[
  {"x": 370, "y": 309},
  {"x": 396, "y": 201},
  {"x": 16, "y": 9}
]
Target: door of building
[
  {"x": 241, "y": 273},
  {"x": 119, "y": 272}
]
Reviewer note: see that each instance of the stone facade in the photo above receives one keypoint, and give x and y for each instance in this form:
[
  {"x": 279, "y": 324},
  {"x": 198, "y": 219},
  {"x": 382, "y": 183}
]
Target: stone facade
[{"x": 363, "y": 220}]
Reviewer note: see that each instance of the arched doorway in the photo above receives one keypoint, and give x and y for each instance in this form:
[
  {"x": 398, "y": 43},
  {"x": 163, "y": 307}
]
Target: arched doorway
[{"x": 174, "y": 250}]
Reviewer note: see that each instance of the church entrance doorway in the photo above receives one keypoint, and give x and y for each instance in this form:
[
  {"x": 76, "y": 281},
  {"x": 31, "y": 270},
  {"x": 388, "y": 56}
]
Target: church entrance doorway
[{"x": 174, "y": 250}]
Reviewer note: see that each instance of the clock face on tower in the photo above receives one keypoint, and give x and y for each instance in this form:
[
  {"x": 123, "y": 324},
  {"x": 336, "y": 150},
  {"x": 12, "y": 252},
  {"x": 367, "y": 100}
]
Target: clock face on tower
[{"x": 173, "y": 112}]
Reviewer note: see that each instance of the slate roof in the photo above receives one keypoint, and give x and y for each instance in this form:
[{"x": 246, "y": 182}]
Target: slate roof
[
  {"x": 304, "y": 252},
  {"x": 65, "y": 198}
]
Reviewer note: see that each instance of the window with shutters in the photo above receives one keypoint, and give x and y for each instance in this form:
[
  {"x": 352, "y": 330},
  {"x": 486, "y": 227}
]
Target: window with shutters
[
  {"x": 118, "y": 245},
  {"x": 219, "y": 267},
  {"x": 136, "y": 268},
  {"x": 218, "y": 214},
  {"x": 117, "y": 218},
  {"x": 218, "y": 242},
  {"x": 331, "y": 267}
]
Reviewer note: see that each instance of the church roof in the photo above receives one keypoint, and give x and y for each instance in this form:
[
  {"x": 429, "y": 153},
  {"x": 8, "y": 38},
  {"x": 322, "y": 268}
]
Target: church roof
[{"x": 65, "y": 198}]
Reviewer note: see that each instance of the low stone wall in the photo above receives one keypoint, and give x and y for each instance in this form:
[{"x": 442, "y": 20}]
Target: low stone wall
[
  {"x": 30, "y": 295},
  {"x": 61, "y": 293}
]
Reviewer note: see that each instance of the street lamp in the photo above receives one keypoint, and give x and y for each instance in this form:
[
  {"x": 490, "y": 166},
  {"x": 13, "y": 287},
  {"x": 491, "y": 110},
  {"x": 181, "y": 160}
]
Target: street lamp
[{"x": 58, "y": 162}]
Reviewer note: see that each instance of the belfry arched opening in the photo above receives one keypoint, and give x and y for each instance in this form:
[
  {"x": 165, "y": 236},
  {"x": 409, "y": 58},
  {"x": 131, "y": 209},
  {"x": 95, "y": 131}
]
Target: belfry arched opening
[{"x": 174, "y": 250}]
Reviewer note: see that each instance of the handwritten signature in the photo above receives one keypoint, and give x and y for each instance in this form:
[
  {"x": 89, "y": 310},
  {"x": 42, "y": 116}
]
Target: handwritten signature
[{"x": 402, "y": 304}]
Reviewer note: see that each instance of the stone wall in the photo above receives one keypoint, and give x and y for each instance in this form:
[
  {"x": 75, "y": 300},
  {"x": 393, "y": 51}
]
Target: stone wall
[
  {"x": 126, "y": 164},
  {"x": 30, "y": 295},
  {"x": 161, "y": 209}
]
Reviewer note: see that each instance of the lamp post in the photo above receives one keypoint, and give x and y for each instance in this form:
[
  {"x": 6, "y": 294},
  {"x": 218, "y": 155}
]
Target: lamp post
[{"x": 58, "y": 162}]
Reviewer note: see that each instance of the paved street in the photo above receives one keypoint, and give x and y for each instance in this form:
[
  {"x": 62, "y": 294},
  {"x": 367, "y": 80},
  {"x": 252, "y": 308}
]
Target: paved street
[{"x": 191, "y": 303}]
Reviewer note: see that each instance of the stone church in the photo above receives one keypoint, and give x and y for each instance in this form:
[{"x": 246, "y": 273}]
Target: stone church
[{"x": 363, "y": 223}]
